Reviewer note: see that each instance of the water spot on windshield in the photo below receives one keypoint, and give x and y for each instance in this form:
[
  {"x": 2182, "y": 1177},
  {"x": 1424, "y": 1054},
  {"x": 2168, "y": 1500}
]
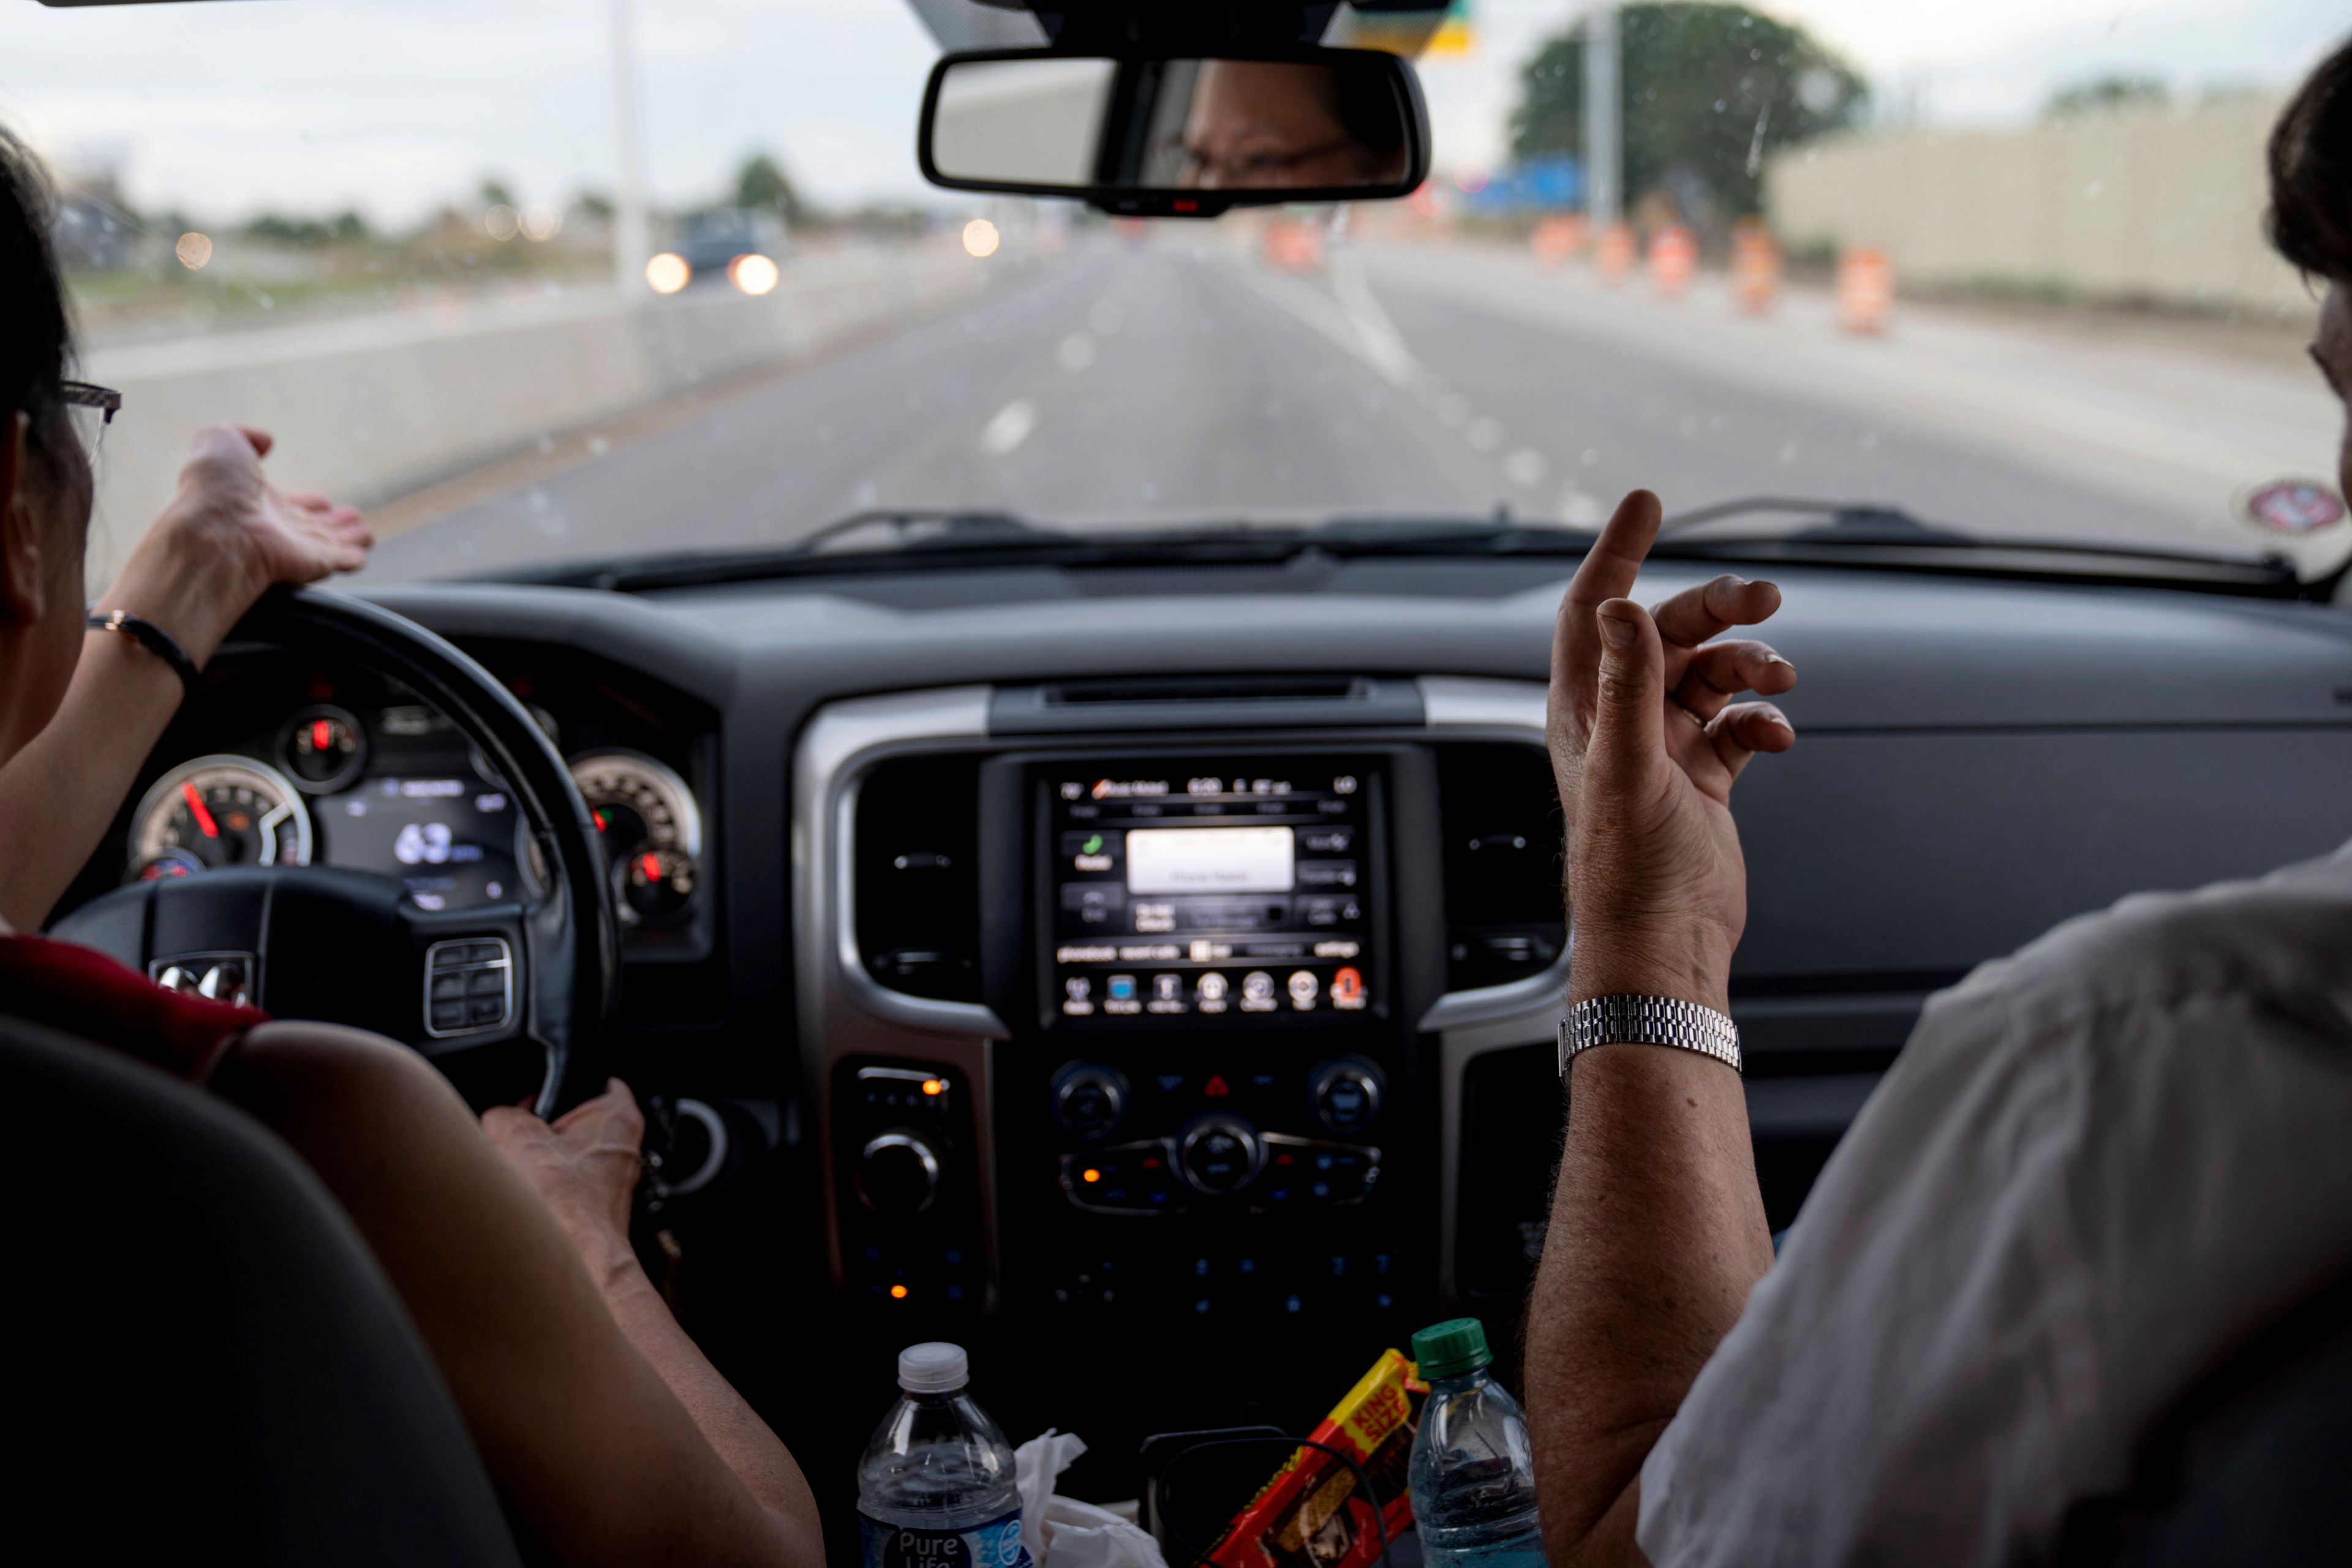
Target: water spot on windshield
[{"x": 1009, "y": 427}]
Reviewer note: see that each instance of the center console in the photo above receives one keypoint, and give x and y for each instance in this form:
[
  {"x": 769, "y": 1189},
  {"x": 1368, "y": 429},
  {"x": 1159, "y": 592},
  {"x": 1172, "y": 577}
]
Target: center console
[
  {"x": 1208, "y": 1077},
  {"x": 1114, "y": 1028}
]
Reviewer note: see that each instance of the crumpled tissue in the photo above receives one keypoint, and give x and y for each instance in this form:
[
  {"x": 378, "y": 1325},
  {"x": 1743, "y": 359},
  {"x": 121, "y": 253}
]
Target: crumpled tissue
[{"x": 1063, "y": 1532}]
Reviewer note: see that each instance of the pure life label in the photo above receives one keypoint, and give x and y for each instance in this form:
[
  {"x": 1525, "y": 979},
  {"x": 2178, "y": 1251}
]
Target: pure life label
[{"x": 996, "y": 1544}]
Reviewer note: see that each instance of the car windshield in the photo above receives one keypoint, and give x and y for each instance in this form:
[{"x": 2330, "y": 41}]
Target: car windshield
[{"x": 539, "y": 282}]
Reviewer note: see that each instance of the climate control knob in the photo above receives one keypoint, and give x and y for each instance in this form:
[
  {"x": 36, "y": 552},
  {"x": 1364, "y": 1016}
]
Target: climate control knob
[
  {"x": 897, "y": 1174},
  {"x": 1347, "y": 1095},
  {"x": 1090, "y": 1103},
  {"x": 1218, "y": 1154}
]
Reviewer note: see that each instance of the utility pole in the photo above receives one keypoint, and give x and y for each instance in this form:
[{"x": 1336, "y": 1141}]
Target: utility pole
[
  {"x": 630, "y": 231},
  {"x": 1604, "y": 118}
]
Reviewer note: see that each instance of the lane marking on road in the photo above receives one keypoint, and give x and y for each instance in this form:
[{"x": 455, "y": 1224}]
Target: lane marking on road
[
  {"x": 1351, "y": 316},
  {"x": 1384, "y": 346},
  {"x": 1008, "y": 428},
  {"x": 1310, "y": 307}
]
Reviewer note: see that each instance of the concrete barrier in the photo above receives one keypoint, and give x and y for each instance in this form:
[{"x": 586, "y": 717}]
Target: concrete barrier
[
  {"x": 2152, "y": 203},
  {"x": 366, "y": 408}
]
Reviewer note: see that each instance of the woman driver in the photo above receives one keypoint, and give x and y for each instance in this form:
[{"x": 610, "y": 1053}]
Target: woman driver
[{"x": 609, "y": 1438}]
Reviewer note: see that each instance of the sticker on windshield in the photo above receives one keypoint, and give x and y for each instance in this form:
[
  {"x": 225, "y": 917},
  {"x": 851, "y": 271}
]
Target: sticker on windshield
[{"x": 2289, "y": 506}]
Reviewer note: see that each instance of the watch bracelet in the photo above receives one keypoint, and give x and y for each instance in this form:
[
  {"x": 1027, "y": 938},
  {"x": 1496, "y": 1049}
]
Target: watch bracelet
[{"x": 1632, "y": 1020}]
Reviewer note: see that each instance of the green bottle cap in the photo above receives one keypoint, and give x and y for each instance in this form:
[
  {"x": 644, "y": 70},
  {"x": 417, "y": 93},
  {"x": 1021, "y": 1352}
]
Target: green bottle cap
[{"x": 1451, "y": 1348}]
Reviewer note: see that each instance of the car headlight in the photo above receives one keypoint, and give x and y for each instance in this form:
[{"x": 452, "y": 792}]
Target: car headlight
[{"x": 753, "y": 274}]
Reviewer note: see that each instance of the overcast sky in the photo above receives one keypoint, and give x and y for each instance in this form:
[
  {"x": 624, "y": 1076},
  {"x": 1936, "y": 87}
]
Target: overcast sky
[{"x": 394, "y": 105}]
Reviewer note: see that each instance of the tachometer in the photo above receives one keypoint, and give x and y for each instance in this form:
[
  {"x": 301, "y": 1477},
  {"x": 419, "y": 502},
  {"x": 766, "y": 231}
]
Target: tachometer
[
  {"x": 651, "y": 830},
  {"x": 219, "y": 811}
]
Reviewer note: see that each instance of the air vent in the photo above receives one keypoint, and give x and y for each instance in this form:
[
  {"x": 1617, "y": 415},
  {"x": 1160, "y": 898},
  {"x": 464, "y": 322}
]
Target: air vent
[
  {"x": 1500, "y": 814},
  {"x": 1214, "y": 689},
  {"x": 916, "y": 860},
  {"x": 1285, "y": 701}
]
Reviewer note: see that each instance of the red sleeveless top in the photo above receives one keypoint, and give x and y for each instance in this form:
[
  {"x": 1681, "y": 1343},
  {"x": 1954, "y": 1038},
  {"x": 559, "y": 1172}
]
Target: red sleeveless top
[{"x": 87, "y": 993}]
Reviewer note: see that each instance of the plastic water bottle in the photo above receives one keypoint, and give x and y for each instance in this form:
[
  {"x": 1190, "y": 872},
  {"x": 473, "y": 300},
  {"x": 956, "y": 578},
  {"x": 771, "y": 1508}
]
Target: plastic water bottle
[
  {"x": 935, "y": 1488},
  {"x": 1474, "y": 1479}
]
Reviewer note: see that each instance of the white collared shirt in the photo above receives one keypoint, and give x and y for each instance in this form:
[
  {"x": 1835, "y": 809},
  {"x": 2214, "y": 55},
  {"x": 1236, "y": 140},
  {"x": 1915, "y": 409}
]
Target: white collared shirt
[{"x": 2098, "y": 1167}]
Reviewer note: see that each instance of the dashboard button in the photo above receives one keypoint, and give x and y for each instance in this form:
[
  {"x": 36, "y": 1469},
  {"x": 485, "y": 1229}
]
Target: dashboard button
[
  {"x": 1304, "y": 1173},
  {"x": 1346, "y": 1094},
  {"x": 1133, "y": 1178},
  {"x": 897, "y": 1174},
  {"x": 1090, "y": 1103},
  {"x": 1218, "y": 1154}
]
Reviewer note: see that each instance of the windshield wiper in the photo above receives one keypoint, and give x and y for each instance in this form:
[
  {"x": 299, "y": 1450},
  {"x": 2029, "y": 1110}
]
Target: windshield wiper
[
  {"x": 905, "y": 530},
  {"x": 922, "y": 529},
  {"x": 1855, "y": 522},
  {"x": 1863, "y": 533},
  {"x": 1854, "y": 535}
]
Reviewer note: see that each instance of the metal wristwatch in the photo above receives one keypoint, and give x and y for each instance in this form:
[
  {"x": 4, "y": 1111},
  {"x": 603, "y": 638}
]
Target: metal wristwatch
[{"x": 1647, "y": 1021}]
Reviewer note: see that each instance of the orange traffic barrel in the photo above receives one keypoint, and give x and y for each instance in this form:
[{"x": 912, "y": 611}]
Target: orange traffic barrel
[
  {"x": 1865, "y": 290},
  {"x": 1615, "y": 253},
  {"x": 1557, "y": 238},
  {"x": 1673, "y": 257},
  {"x": 1292, "y": 246},
  {"x": 1755, "y": 268}
]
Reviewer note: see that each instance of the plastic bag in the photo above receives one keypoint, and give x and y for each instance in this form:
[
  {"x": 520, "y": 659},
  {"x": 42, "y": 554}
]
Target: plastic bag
[{"x": 1063, "y": 1532}]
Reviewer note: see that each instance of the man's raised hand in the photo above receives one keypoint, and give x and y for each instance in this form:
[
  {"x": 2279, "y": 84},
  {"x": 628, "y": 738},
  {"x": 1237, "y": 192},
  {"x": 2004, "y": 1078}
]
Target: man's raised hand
[{"x": 1646, "y": 741}]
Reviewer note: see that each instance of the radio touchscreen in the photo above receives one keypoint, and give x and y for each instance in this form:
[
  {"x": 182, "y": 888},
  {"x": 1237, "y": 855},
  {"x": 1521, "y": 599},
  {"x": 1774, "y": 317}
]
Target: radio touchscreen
[{"x": 1211, "y": 889}]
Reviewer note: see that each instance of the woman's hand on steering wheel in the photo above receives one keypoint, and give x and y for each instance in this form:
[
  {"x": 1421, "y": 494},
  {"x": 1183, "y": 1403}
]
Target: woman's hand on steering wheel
[
  {"x": 584, "y": 1165},
  {"x": 227, "y": 537}
]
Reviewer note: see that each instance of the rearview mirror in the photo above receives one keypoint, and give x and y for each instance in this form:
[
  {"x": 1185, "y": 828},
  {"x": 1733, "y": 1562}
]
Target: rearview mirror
[{"x": 1188, "y": 137}]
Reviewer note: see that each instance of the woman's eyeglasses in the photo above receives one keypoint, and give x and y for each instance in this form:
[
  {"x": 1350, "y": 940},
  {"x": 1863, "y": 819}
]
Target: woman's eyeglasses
[{"x": 88, "y": 395}]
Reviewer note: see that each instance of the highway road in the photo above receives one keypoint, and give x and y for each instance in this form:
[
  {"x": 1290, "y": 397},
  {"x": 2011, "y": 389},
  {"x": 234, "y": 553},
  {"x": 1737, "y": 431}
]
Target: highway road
[{"x": 1177, "y": 379}]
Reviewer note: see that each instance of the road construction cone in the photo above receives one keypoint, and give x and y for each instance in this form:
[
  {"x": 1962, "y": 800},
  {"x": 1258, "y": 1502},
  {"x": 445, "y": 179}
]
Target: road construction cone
[
  {"x": 1614, "y": 254},
  {"x": 1557, "y": 238},
  {"x": 1865, "y": 290},
  {"x": 1755, "y": 268},
  {"x": 1673, "y": 257}
]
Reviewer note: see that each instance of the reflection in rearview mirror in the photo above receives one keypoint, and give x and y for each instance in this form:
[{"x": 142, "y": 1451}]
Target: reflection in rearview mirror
[
  {"x": 1343, "y": 124},
  {"x": 1029, "y": 122}
]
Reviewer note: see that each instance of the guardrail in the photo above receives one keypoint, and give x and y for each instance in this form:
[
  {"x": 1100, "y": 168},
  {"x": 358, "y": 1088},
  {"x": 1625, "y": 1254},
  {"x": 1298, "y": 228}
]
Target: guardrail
[{"x": 369, "y": 406}]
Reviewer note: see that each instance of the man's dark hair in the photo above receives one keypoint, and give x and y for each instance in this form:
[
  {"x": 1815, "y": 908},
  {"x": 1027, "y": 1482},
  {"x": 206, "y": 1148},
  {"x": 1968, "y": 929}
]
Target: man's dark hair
[{"x": 2311, "y": 173}]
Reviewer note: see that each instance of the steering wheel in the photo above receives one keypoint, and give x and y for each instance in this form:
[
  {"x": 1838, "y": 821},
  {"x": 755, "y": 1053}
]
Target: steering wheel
[{"x": 350, "y": 947}]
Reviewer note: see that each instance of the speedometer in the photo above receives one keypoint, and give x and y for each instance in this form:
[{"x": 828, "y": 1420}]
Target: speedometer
[
  {"x": 651, "y": 830},
  {"x": 219, "y": 811}
]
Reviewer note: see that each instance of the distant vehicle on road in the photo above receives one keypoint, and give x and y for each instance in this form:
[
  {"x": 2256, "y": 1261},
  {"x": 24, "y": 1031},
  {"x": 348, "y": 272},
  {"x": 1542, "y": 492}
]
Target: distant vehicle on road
[{"x": 714, "y": 241}]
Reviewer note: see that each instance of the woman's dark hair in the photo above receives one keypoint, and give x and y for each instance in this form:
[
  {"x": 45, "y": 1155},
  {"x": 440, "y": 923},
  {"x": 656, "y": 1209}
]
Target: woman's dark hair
[{"x": 2311, "y": 173}]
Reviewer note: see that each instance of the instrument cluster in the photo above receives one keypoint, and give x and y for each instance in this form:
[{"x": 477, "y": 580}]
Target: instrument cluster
[{"x": 391, "y": 787}]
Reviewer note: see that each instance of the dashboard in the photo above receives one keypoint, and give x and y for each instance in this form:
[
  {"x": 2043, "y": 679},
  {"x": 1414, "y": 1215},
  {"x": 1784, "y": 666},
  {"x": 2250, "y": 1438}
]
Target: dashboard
[{"x": 1065, "y": 961}]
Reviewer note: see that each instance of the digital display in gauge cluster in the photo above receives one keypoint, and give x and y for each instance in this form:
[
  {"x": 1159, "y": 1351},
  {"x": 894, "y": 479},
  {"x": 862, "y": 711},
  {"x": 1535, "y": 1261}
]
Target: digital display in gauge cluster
[
  {"x": 1196, "y": 891},
  {"x": 451, "y": 841}
]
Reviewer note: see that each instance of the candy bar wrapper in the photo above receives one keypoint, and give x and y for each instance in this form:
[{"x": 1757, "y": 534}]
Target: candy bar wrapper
[{"x": 1308, "y": 1515}]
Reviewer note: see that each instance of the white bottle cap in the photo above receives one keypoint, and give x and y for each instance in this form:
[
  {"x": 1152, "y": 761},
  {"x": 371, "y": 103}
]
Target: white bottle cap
[{"x": 933, "y": 1367}]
